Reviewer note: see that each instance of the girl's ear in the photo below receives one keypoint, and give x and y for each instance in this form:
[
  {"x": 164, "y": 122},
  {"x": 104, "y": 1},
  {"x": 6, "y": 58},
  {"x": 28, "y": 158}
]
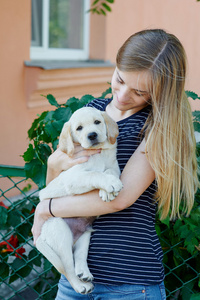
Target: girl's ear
[
  {"x": 65, "y": 142},
  {"x": 112, "y": 128}
]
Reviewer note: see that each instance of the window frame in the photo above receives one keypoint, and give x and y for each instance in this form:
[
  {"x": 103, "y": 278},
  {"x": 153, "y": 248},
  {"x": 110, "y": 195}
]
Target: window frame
[{"x": 46, "y": 53}]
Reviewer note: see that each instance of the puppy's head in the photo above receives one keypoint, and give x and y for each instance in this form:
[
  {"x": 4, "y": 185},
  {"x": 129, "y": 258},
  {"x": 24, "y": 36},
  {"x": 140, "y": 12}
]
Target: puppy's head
[{"x": 90, "y": 128}]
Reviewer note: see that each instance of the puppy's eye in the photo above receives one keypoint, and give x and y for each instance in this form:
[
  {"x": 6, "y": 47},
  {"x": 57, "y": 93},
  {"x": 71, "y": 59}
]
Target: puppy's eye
[
  {"x": 97, "y": 122},
  {"x": 79, "y": 128}
]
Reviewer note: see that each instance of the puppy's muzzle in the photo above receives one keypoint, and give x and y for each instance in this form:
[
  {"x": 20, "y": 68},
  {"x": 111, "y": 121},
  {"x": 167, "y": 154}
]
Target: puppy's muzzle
[{"x": 92, "y": 136}]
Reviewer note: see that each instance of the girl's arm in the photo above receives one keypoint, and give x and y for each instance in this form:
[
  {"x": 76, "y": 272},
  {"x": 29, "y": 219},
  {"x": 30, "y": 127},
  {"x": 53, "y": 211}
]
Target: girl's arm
[{"x": 136, "y": 177}]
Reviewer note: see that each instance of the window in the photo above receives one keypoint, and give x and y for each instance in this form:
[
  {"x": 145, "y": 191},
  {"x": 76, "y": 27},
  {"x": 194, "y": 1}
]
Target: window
[{"x": 60, "y": 29}]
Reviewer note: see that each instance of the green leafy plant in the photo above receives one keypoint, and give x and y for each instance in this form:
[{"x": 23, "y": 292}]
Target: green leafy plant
[
  {"x": 180, "y": 239},
  {"x": 18, "y": 255},
  {"x": 101, "y": 7},
  {"x": 44, "y": 134}
]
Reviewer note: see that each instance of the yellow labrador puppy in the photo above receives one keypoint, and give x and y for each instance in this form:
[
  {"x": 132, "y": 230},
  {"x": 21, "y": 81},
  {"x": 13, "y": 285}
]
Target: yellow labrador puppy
[{"x": 65, "y": 242}]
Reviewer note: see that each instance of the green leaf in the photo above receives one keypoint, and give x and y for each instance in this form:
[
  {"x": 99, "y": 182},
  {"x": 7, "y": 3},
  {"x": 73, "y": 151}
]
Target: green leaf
[
  {"x": 95, "y": 2},
  {"x": 195, "y": 296},
  {"x": 196, "y": 126},
  {"x": 186, "y": 290},
  {"x": 3, "y": 215},
  {"x": 27, "y": 188},
  {"x": 55, "y": 144},
  {"x": 177, "y": 226},
  {"x": 190, "y": 248},
  {"x": 106, "y": 6},
  {"x": 102, "y": 12},
  {"x": 196, "y": 114},
  {"x": 53, "y": 129},
  {"x": 166, "y": 221},
  {"x": 29, "y": 154},
  {"x": 27, "y": 206},
  {"x": 71, "y": 100},
  {"x": 47, "y": 265},
  {"x": 4, "y": 270},
  {"x": 52, "y": 100},
  {"x": 45, "y": 152},
  {"x": 35, "y": 257},
  {"x": 21, "y": 267},
  {"x": 24, "y": 231},
  {"x": 42, "y": 151},
  {"x": 32, "y": 131},
  {"x": 108, "y": 91},
  {"x": 36, "y": 171},
  {"x": 192, "y": 221},
  {"x": 192, "y": 95},
  {"x": 14, "y": 218},
  {"x": 86, "y": 99},
  {"x": 112, "y": 1},
  {"x": 18, "y": 264},
  {"x": 48, "y": 117},
  {"x": 158, "y": 230},
  {"x": 13, "y": 277},
  {"x": 74, "y": 104},
  {"x": 95, "y": 10},
  {"x": 184, "y": 231},
  {"x": 62, "y": 114}
]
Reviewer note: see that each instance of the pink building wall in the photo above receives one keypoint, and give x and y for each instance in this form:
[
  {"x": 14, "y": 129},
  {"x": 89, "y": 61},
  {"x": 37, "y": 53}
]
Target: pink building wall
[{"x": 181, "y": 17}]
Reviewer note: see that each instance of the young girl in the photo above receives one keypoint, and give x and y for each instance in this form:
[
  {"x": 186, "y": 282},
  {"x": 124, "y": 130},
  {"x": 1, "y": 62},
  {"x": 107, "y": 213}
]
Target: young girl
[{"x": 156, "y": 155}]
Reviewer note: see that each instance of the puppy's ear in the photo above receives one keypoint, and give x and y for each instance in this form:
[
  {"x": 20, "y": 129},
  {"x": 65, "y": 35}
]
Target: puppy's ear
[
  {"x": 65, "y": 142},
  {"x": 112, "y": 128}
]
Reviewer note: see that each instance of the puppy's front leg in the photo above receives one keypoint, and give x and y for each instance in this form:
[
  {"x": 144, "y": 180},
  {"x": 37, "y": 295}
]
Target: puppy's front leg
[{"x": 87, "y": 181}]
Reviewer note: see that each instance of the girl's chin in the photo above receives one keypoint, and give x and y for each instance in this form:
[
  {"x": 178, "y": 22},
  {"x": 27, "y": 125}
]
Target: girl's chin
[{"x": 121, "y": 106}]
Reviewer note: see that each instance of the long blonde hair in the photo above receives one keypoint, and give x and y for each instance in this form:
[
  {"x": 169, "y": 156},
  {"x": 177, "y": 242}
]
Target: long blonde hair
[{"x": 169, "y": 133}]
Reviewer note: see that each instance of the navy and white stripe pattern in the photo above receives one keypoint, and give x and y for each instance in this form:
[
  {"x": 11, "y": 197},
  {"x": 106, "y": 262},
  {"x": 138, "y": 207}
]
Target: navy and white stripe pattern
[{"x": 124, "y": 247}]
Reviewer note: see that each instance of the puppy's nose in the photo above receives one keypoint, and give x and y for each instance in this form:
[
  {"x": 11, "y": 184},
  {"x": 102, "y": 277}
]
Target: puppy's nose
[{"x": 92, "y": 136}]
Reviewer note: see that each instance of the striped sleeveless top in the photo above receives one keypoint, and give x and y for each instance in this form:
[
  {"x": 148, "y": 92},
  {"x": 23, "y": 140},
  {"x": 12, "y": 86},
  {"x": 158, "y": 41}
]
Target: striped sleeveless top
[{"x": 124, "y": 247}]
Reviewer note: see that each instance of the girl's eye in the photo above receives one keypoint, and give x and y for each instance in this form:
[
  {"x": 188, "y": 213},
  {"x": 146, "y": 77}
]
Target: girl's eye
[
  {"x": 137, "y": 94},
  {"x": 119, "y": 81},
  {"x": 97, "y": 122},
  {"x": 79, "y": 128}
]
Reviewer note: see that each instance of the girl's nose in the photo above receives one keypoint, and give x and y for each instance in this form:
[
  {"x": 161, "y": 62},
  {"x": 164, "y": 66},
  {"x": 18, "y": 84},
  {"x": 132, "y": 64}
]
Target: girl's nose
[{"x": 123, "y": 93}]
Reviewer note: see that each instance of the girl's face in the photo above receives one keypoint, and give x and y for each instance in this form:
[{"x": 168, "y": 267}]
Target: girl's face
[{"x": 130, "y": 90}]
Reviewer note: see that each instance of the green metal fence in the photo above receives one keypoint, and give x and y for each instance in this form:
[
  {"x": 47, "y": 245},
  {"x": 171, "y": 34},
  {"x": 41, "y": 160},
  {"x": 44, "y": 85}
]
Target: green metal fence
[{"x": 26, "y": 274}]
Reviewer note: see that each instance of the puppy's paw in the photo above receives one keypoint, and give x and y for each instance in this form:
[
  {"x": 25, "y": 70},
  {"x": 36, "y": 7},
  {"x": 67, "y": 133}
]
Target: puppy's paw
[
  {"x": 83, "y": 288},
  {"x": 83, "y": 273},
  {"x": 107, "y": 197},
  {"x": 111, "y": 189}
]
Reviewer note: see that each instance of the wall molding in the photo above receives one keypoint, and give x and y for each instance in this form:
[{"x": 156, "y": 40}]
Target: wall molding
[{"x": 65, "y": 83}]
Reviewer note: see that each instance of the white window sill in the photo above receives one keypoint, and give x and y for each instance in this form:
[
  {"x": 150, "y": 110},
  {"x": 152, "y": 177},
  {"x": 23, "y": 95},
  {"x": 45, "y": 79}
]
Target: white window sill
[{"x": 54, "y": 64}]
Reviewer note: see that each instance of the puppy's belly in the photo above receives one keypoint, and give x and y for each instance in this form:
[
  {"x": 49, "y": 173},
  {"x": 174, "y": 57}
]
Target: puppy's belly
[{"x": 79, "y": 225}]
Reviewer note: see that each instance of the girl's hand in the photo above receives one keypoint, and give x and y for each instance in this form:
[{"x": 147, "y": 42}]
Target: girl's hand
[
  {"x": 41, "y": 215},
  {"x": 60, "y": 161}
]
